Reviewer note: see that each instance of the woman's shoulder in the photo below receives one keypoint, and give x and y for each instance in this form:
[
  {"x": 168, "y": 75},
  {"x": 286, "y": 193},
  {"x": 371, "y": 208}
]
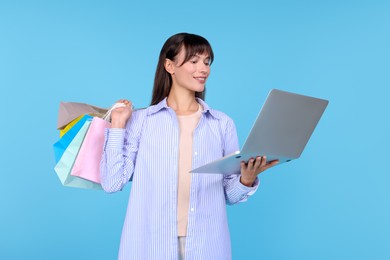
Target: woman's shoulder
[
  {"x": 222, "y": 117},
  {"x": 137, "y": 118},
  {"x": 141, "y": 114},
  {"x": 215, "y": 113},
  {"x": 140, "y": 111},
  {"x": 219, "y": 114}
]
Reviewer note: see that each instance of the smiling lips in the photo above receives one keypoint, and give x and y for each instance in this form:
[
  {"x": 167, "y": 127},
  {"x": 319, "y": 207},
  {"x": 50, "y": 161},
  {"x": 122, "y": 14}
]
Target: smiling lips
[{"x": 201, "y": 79}]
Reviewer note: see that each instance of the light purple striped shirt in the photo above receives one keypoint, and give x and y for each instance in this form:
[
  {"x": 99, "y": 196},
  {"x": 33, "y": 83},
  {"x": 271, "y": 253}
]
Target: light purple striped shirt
[{"x": 146, "y": 153}]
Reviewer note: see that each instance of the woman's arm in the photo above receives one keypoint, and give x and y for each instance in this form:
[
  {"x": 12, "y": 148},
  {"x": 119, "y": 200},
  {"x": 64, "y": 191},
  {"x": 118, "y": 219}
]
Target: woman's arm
[
  {"x": 239, "y": 187},
  {"x": 119, "y": 152},
  {"x": 235, "y": 191}
]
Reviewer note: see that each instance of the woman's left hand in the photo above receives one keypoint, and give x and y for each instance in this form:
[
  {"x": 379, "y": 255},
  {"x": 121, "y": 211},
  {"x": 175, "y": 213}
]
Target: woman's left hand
[{"x": 254, "y": 167}]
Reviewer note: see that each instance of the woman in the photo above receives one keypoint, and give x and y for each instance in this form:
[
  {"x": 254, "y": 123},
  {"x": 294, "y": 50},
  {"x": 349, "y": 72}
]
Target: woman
[{"x": 172, "y": 213}]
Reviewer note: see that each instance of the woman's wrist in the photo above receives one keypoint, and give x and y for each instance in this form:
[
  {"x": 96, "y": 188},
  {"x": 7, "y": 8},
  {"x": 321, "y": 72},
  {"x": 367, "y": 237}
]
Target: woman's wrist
[
  {"x": 117, "y": 124},
  {"x": 247, "y": 181}
]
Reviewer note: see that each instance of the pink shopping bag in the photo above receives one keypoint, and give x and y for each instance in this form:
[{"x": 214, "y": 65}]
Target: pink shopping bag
[{"x": 87, "y": 164}]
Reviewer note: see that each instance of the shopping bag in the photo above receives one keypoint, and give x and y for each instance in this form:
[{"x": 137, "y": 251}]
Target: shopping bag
[
  {"x": 69, "y": 111},
  {"x": 61, "y": 145},
  {"x": 87, "y": 164},
  {"x": 64, "y": 166},
  {"x": 70, "y": 125}
]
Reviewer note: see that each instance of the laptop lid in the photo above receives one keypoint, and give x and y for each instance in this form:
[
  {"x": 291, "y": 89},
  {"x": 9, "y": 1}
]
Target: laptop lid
[{"x": 281, "y": 131}]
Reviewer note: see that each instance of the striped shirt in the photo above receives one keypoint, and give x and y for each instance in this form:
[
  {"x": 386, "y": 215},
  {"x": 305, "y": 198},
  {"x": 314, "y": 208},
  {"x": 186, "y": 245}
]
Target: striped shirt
[{"x": 146, "y": 153}]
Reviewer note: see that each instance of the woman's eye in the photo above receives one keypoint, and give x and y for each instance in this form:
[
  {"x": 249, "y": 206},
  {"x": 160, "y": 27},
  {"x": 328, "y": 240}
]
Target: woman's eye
[{"x": 193, "y": 61}]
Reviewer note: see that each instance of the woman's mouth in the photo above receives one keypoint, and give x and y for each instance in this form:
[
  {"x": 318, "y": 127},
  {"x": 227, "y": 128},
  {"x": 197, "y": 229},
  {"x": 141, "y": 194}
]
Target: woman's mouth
[{"x": 201, "y": 79}]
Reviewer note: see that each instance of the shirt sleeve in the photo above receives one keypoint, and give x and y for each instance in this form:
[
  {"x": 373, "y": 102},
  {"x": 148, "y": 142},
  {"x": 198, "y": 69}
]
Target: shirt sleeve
[
  {"x": 235, "y": 191},
  {"x": 119, "y": 155}
]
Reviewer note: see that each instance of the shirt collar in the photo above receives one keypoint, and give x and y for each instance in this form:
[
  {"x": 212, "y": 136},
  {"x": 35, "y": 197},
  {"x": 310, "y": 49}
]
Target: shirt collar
[
  {"x": 159, "y": 106},
  {"x": 163, "y": 104}
]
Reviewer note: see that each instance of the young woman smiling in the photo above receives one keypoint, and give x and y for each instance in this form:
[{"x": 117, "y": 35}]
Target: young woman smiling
[{"x": 173, "y": 214}]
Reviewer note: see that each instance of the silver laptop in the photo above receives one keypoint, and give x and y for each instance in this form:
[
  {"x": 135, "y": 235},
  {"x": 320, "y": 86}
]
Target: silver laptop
[{"x": 280, "y": 132}]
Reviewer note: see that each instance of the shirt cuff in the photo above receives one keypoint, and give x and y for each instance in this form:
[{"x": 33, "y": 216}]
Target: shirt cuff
[
  {"x": 249, "y": 190},
  {"x": 114, "y": 138}
]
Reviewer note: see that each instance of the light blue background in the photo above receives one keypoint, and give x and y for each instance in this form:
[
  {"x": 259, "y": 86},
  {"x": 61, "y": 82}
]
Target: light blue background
[{"x": 332, "y": 203}]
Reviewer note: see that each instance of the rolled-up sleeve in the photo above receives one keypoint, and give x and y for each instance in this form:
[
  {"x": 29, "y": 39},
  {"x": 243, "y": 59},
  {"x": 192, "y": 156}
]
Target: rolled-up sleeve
[
  {"x": 119, "y": 155},
  {"x": 235, "y": 191}
]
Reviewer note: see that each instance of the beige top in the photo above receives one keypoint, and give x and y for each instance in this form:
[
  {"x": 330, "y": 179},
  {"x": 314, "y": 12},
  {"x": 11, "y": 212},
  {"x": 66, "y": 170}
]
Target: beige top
[{"x": 187, "y": 124}]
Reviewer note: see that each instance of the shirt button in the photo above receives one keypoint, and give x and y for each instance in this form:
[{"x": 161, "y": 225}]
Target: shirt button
[
  {"x": 196, "y": 153},
  {"x": 192, "y": 209}
]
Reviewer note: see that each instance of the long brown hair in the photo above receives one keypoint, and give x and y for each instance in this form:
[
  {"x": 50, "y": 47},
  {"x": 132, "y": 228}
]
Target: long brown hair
[{"x": 193, "y": 44}]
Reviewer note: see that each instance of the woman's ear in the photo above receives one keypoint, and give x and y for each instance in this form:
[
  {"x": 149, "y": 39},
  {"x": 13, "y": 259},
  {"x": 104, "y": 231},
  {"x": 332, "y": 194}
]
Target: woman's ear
[{"x": 168, "y": 64}]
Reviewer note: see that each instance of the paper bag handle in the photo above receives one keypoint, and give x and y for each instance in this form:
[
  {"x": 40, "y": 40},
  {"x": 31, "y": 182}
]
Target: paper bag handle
[{"x": 107, "y": 116}]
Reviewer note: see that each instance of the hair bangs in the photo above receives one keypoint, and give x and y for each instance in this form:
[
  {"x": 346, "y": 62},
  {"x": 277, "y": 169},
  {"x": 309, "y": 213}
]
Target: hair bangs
[{"x": 195, "y": 44}]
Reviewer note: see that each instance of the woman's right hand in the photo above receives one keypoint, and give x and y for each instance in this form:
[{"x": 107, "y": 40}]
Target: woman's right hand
[{"x": 120, "y": 115}]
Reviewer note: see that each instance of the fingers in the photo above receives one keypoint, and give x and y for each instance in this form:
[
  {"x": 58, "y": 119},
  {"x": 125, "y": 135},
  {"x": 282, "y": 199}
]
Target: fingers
[
  {"x": 252, "y": 163},
  {"x": 259, "y": 164},
  {"x": 260, "y": 161},
  {"x": 125, "y": 101},
  {"x": 243, "y": 166},
  {"x": 256, "y": 162},
  {"x": 123, "y": 105}
]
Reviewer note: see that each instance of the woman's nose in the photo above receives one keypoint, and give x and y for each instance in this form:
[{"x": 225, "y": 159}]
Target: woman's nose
[{"x": 204, "y": 68}]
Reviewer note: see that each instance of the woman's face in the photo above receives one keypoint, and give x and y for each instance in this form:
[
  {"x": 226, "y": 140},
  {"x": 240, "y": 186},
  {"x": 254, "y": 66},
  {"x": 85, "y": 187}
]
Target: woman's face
[{"x": 193, "y": 74}]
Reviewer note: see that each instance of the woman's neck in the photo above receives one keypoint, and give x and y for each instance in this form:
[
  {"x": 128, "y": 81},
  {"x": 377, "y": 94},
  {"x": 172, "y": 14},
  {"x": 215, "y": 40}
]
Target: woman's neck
[{"x": 183, "y": 104}]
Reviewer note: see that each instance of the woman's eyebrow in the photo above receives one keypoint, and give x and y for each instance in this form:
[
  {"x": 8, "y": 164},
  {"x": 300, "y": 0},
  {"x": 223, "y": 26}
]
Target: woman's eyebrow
[{"x": 197, "y": 55}]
